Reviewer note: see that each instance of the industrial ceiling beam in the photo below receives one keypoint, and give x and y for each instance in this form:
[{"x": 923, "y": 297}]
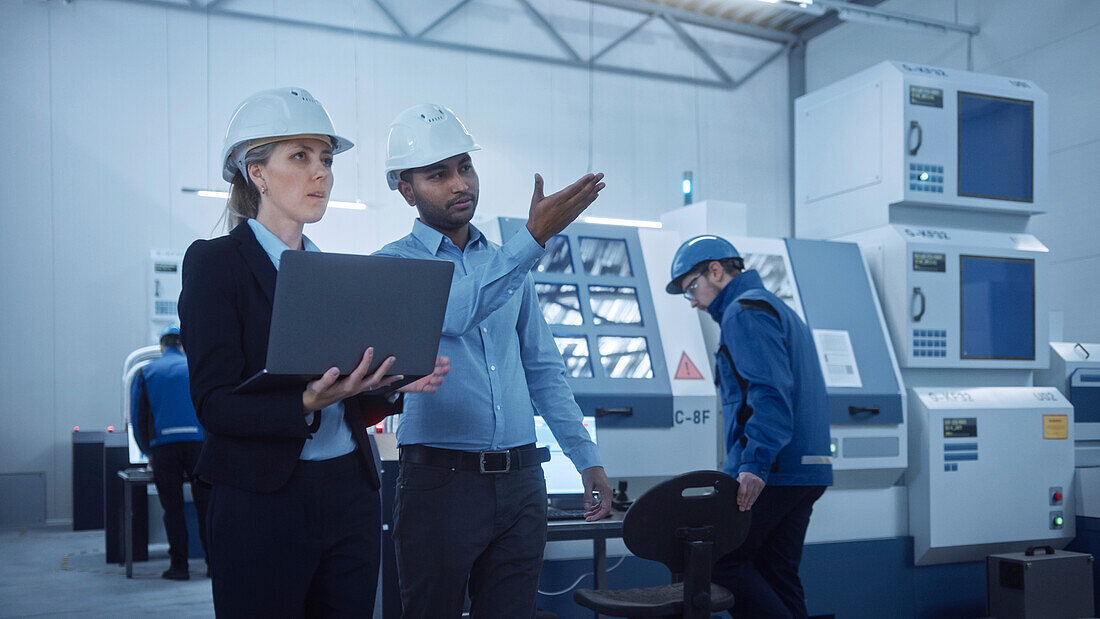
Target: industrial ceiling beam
[{"x": 674, "y": 18}]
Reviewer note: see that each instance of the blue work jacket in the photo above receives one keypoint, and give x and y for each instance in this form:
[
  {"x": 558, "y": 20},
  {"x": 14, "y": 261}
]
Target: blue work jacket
[
  {"x": 160, "y": 402},
  {"x": 774, "y": 402}
]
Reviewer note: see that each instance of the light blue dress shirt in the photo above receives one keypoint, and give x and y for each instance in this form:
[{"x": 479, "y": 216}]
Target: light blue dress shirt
[
  {"x": 333, "y": 437},
  {"x": 505, "y": 365}
]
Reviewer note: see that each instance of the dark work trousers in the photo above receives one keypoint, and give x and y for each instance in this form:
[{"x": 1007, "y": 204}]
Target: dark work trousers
[
  {"x": 174, "y": 463},
  {"x": 309, "y": 549},
  {"x": 453, "y": 527},
  {"x": 763, "y": 572}
]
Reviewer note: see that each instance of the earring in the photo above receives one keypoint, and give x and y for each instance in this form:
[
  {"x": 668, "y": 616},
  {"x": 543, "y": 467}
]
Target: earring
[{"x": 263, "y": 189}]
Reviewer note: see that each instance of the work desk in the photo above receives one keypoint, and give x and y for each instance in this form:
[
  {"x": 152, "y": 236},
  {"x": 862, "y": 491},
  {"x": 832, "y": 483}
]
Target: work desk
[
  {"x": 132, "y": 479},
  {"x": 599, "y": 532}
]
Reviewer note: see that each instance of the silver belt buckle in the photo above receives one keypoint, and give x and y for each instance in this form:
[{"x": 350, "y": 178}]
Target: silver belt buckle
[{"x": 507, "y": 461}]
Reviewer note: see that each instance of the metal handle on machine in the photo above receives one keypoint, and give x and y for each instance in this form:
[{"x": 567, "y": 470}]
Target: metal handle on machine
[
  {"x": 625, "y": 411},
  {"x": 920, "y": 136},
  {"x": 1047, "y": 550},
  {"x": 1083, "y": 349},
  {"x": 919, "y": 294},
  {"x": 859, "y": 410}
]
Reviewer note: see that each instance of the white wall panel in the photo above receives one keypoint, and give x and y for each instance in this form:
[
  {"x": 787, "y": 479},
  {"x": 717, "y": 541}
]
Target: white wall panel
[
  {"x": 110, "y": 170},
  {"x": 1069, "y": 227},
  {"x": 27, "y": 344}
]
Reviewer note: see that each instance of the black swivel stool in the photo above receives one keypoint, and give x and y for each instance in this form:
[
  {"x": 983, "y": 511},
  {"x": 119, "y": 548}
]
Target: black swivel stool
[{"x": 687, "y": 523}]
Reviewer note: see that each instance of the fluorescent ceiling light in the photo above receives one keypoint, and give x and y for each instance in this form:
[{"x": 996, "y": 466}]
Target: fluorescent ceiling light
[
  {"x": 611, "y": 221},
  {"x": 224, "y": 195},
  {"x": 805, "y": 6},
  {"x": 856, "y": 15}
]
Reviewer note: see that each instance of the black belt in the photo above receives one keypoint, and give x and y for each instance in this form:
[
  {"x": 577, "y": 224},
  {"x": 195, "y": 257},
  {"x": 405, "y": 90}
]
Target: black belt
[{"x": 500, "y": 461}]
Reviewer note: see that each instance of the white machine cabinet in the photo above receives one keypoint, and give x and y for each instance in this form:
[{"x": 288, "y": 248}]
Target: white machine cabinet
[
  {"x": 165, "y": 277},
  {"x": 907, "y": 135},
  {"x": 961, "y": 298},
  {"x": 991, "y": 470}
]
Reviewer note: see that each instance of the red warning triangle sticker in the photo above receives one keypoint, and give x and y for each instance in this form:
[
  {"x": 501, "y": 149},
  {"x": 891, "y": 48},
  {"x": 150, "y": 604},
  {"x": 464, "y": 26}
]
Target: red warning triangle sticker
[{"x": 687, "y": 370}]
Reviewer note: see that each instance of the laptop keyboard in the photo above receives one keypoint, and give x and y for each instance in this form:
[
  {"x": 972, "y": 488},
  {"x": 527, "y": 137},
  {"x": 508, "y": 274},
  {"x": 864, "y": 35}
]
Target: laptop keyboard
[{"x": 556, "y": 513}]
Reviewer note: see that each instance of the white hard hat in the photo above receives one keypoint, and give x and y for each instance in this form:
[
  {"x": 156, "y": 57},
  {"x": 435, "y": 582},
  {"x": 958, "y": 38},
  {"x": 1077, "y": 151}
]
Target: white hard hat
[
  {"x": 423, "y": 135},
  {"x": 275, "y": 113}
]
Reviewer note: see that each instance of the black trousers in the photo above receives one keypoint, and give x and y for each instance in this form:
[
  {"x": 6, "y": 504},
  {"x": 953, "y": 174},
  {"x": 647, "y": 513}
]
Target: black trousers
[
  {"x": 763, "y": 572},
  {"x": 174, "y": 463},
  {"x": 309, "y": 549},
  {"x": 455, "y": 529}
]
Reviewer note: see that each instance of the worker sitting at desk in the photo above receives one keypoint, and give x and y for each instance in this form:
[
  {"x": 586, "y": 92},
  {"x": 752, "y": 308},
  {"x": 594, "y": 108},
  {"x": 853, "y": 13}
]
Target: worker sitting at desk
[
  {"x": 471, "y": 497},
  {"x": 776, "y": 415},
  {"x": 167, "y": 430}
]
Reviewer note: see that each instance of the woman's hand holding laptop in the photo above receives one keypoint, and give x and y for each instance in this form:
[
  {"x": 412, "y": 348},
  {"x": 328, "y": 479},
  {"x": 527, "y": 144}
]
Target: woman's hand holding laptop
[{"x": 330, "y": 388}]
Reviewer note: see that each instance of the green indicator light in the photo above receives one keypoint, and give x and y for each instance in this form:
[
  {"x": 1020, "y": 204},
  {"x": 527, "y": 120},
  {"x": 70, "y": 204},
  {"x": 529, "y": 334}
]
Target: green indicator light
[
  {"x": 1057, "y": 521},
  {"x": 832, "y": 448},
  {"x": 924, "y": 176}
]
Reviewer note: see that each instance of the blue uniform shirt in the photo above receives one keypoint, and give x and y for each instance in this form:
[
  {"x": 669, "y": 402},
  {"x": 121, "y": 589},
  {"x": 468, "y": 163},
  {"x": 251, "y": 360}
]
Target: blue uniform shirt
[
  {"x": 505, "y": 366},
  {"x": 160, "y": 394},
  {"x": 774, "y": 402},
  {"x": 333, "y": 436}
]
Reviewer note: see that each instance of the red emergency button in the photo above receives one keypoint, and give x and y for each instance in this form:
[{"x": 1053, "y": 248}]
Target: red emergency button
[{"x": 1057, "y": 496}]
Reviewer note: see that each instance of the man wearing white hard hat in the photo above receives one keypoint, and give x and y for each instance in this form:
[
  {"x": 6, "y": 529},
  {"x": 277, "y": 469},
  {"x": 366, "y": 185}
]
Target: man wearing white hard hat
[
  {"x": 471, "y": 497},
  {"x": 294, "y": 517}
]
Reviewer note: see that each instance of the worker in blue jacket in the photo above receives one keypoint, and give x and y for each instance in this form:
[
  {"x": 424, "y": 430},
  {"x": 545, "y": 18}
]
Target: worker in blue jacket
[
  {"x": 776, "y": 416},
  {"x": 167, "y": 430}
]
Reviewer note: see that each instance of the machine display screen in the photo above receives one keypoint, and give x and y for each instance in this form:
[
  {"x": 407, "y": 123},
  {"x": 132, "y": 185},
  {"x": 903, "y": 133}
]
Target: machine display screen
[
  {"x": 614, "y": 305},
  {"x": 605, "y": 257},
  {"x": 997, "y": 309},
  {"x": 560, "y": 304},
  {"x": 162, "y": 267},
  {"x": 996, "y": 147},
  {"x": 625, "y": 357},
  {"x": 557, "y": 258},
  {"x": 923, "y": 95},
  {"x": 574, "y": 352},
  {"x": 925, "y": 261},
  {"x": 960, "y": 427}
]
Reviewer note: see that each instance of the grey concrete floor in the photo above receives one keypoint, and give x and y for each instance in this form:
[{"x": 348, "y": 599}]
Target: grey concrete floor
[{"x": 56, "y": 572}]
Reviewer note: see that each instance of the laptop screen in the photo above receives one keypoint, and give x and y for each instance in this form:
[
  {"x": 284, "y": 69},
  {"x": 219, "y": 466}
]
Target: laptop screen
[{"x": 561, "y": 476}]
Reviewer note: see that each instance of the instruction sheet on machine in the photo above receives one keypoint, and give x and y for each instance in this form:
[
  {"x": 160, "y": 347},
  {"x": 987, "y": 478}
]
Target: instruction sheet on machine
[{"x": 838, "y": 360}]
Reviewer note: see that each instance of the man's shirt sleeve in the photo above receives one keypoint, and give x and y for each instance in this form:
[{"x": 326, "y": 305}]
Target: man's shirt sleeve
[
  {"x": 550, "y": 394},
  {"x": 486, "y": 288}
]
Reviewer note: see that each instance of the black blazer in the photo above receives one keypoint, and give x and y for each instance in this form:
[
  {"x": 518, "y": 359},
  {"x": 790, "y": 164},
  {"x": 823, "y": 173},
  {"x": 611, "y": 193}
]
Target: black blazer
[{"x": 252, "y": 440}]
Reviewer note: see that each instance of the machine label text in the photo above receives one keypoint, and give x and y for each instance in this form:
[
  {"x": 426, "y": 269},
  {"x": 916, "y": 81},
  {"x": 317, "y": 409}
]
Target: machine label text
[
  {"x": 698, "y": 417},
  {"x": 938, "y": 235}
]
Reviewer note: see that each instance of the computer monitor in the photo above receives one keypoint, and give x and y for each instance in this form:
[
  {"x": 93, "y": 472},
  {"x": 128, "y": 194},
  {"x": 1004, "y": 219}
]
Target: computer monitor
[
  {"x": 136, "y": 457},
  {"x": 562, "y": 477},
  {"x": 997, "y": 308},
  {"x": 996, "y": 147}
]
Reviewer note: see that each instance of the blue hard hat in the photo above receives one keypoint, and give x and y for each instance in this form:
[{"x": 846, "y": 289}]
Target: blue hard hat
[
  {"x": 170, "y": 330},
  {"x": 699, "y": 249}
]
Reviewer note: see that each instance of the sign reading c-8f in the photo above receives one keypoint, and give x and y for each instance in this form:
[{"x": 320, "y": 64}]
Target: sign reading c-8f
[{"x": 698, "y": 417}]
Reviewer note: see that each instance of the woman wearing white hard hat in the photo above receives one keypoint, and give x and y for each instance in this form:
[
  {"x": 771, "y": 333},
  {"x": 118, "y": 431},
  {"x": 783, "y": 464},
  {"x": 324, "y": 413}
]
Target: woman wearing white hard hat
[{"x": 294, "y": 516}]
